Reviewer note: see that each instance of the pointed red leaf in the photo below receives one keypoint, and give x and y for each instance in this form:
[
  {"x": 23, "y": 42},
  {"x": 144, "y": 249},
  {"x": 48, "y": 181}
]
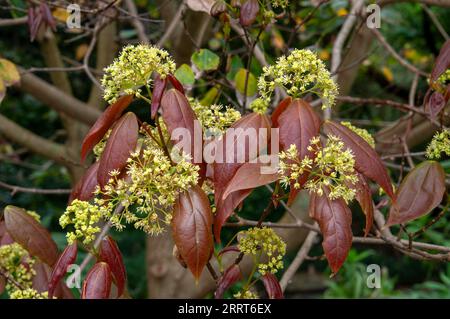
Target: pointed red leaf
[
  {"x": 158, "y": 90},
  {"x": 282, "y": 106},
  {"x": 364, "y": 198},
  {"x": 228, "y": 279},
  {"x": 110, "y": 253},
  {"x": 419, "y": 193},
  {"x": 434, "y": 104},
  {"x": 97, "y": 284},
  {"x": 442, "y": 62},
  {"x": 42, "y": 278},
  {"x": 367, "y": 161},
  {"x": 298, "y": 124},
  {"x": 178, "y": 114},
  {"x": 84, "y": 189},
  {"x": 121, "y": 143},
  {"x": 175, "y": 83},
  {"x": 250, "y": 175},
  {"x": 47, "y": 16},
  {"x": 334, "y": 219},
  {"x": 272, "y": 286},
  {"x": 249, "y": 12},
  {"x": 237, "y": 147},
  {"x": 103, "y": 123},
  {"x": 192, "y": 229},
  {"x": 31, "y": 235},
  {"x": 66, "y": 258}
]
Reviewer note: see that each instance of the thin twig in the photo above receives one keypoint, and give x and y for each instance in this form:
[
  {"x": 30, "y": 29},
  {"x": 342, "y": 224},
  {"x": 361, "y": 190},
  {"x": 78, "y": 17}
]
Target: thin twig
[
  {"x": 18, "y": 189},
  {"x": 298, "y": 260}
]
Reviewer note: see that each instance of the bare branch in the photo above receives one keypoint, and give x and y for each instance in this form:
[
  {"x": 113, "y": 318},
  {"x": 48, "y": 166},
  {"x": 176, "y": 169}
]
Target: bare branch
[
  {"x": 18, "y": 189},
  {"x": 57, "y": 99},
  {"x": 33, "y": 142},
  {"x": 136, "y": 22},
  {"x": 298, "y": 260}
]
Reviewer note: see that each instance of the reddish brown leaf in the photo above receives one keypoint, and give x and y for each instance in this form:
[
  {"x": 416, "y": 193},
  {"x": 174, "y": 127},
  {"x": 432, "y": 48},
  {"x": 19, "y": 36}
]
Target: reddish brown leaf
[
  {"x": 364, "y": 198},
  {"x": 35, "y": 21},
  {"x": 178, "y": 114},
  {"x": 121, "y": 143},
  {"x": 334, "y": 219},
  {"x": 103, "y": 123},
  {"x": 248, "y": 176},
  {"x": 84, "y": 189},
  {"x": 272, "y": 286},
  {"x": 237, "y": 148},
  {"x": 249, "y": 12},
  {"x": 175, "y": 83},
  {"x": 2, "y": 284},
  {"x": 158, "y": 90},
  {"x": 435, "y": 104},
  {"x": 218, "y": 8},
  {"x": 228, "y": 249},
  {"x": 47, "y": 16},
  {"x": 298, "y": 125},
  {"x": 66, "y": 258},
  {"x": 110, "y": 253},
  {"x": 97, "y": 284},
  {"x": 282, "y": 106},
  {"x": 191, "y": 224},
  {"x": 226, "y": 207},
  {"x": 442, "y": 62},
  {"x": 367, "y": 160},
  {"x": 31, "y": 235},
  {"x": 228, "y": 279},
  {"x": 42, "y": 278},
  {"x": 419, "y": 193}
]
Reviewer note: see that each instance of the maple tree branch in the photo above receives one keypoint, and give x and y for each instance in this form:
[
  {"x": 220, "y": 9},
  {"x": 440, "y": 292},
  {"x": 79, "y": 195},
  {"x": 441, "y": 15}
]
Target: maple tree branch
[
  {"x": 396, "y": 56},
  {"x": 298, "y": 260},
  {"x": 33, "y": 142},
  {"x": 19, "y": 189},
  {"x": 137, "y": 24},
  {"x": 57, "y": 99}
]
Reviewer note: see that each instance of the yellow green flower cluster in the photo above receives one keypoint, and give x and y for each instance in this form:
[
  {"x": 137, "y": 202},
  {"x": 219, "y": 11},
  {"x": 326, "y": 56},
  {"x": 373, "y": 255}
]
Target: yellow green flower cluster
[
  {"x": 259, "y": 106},
  {"x": 444, "y": 78},
  {"x": 299, "y": 73},
  {"x": 16, "y": 261},
  {"x": 28, "y": 293},
  {"x": 439, "y": 144},
  {"x": 361, "y": 132},
  {"x": 85, "y": 218},
  {"x": 280, "y": 3},
  {"x": 246, "y": 294},
  {"x": 331, "y": 166},
  {"x": 100, "y": 146},
  {"x": 151, "y": 187},
  {"x": 133, "y": 69},
  {"x": 266, "y": 246},
  {"x": 215, "y": 118}
]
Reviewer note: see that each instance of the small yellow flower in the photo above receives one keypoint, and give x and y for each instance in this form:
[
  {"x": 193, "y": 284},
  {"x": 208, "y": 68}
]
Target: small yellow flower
[
  {"x": 215, "y": 119},
  {"x": 361, "y": 132},
  {"x": 300, "y": 73},
  {"x": 16, "y": 261},
  {"x": 439, "y": 144},
  {"x": 331, "y": 166},
  {"x": 263, "y": 243},
  {"x": 149, "y": 192},
  {"x": 133, "y": 69},
  {"x": 280, "y": 3},
  {"x": 84, "y": 217},
  {"x": 28, "y": 293}
]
